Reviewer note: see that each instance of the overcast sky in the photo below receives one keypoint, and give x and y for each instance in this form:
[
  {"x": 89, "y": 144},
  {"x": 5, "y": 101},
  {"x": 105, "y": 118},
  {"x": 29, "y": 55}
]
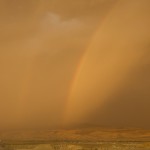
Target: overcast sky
[{"x": 74, "y": 62}]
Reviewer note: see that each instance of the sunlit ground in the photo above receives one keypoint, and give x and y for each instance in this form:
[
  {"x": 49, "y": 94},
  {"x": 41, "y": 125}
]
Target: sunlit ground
[
  {"x": 81, "y": 146},
  {"x": 77, "y": 139}
]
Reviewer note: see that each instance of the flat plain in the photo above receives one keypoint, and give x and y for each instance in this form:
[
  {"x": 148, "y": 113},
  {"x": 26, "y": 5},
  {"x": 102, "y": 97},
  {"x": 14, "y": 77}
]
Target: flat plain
[{"x": 77, "y": 139}]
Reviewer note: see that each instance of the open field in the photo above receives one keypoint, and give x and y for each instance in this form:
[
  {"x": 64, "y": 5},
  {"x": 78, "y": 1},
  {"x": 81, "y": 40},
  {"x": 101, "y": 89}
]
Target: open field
[
  {"x": 78, "y": 139},
  {"x": 79, "y": 146}
]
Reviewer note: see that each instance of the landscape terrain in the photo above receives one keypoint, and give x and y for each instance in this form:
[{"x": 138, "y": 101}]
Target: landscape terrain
[{"x": 77, "y": 139}]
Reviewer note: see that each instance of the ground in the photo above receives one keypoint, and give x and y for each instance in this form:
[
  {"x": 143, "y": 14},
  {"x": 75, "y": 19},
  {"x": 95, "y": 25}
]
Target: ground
[{"x": 77, "y": 139}]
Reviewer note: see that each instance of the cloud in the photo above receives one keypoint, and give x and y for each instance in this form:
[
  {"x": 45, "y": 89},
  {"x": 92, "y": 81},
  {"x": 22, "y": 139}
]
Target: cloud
[{"x": 52, "y": 21}]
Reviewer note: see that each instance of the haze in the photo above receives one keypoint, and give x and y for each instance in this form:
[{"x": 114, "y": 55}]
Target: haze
[{"x": 68, "y": 62}]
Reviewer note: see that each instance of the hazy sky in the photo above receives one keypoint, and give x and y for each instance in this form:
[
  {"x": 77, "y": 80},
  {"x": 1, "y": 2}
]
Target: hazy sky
[{"x": 73, "y": 62}]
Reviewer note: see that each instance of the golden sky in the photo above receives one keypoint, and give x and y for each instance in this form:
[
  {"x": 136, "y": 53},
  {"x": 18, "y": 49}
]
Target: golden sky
[{"x": 74, "y": 62}]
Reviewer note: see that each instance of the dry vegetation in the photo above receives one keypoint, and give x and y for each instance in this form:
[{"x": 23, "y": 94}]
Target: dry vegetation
[
  {"x": 85, "y": 134},
  {"x": 78, "y": 139}
]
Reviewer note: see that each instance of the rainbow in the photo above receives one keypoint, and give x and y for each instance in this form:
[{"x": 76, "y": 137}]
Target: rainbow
[
  {"x": 80, "y": 67},
  {"x": 116, "y": 40}
]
